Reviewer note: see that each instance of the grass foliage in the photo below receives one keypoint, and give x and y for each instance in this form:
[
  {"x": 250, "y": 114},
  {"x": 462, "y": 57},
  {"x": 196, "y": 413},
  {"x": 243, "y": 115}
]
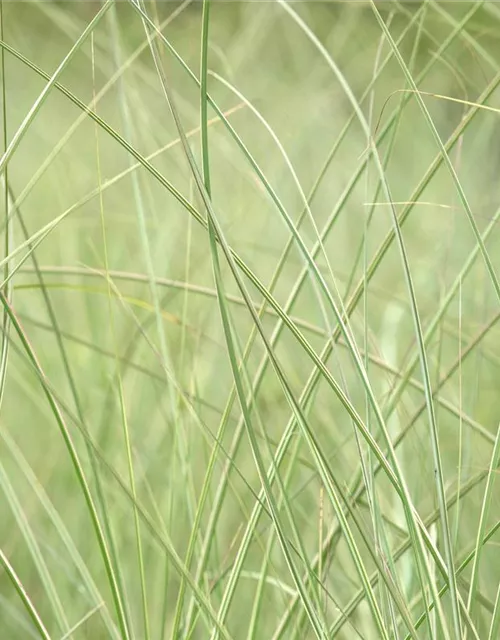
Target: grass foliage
[{"x": 249, "y": 358}]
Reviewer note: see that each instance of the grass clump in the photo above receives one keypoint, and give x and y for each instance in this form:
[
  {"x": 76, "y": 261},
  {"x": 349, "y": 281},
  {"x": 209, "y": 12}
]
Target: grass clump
[{"x": 249, "y": 351}]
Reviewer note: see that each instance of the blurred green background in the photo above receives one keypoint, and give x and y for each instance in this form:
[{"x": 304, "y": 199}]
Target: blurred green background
[{"x": 303, "y": 86}]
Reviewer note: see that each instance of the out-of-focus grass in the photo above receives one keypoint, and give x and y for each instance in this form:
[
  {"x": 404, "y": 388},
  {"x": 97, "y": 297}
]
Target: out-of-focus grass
[{"x": 250, "y": 354}]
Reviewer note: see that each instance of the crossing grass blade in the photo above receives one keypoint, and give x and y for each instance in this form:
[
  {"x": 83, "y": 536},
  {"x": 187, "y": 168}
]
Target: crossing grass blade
[{"x": 12, "y": 575}]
